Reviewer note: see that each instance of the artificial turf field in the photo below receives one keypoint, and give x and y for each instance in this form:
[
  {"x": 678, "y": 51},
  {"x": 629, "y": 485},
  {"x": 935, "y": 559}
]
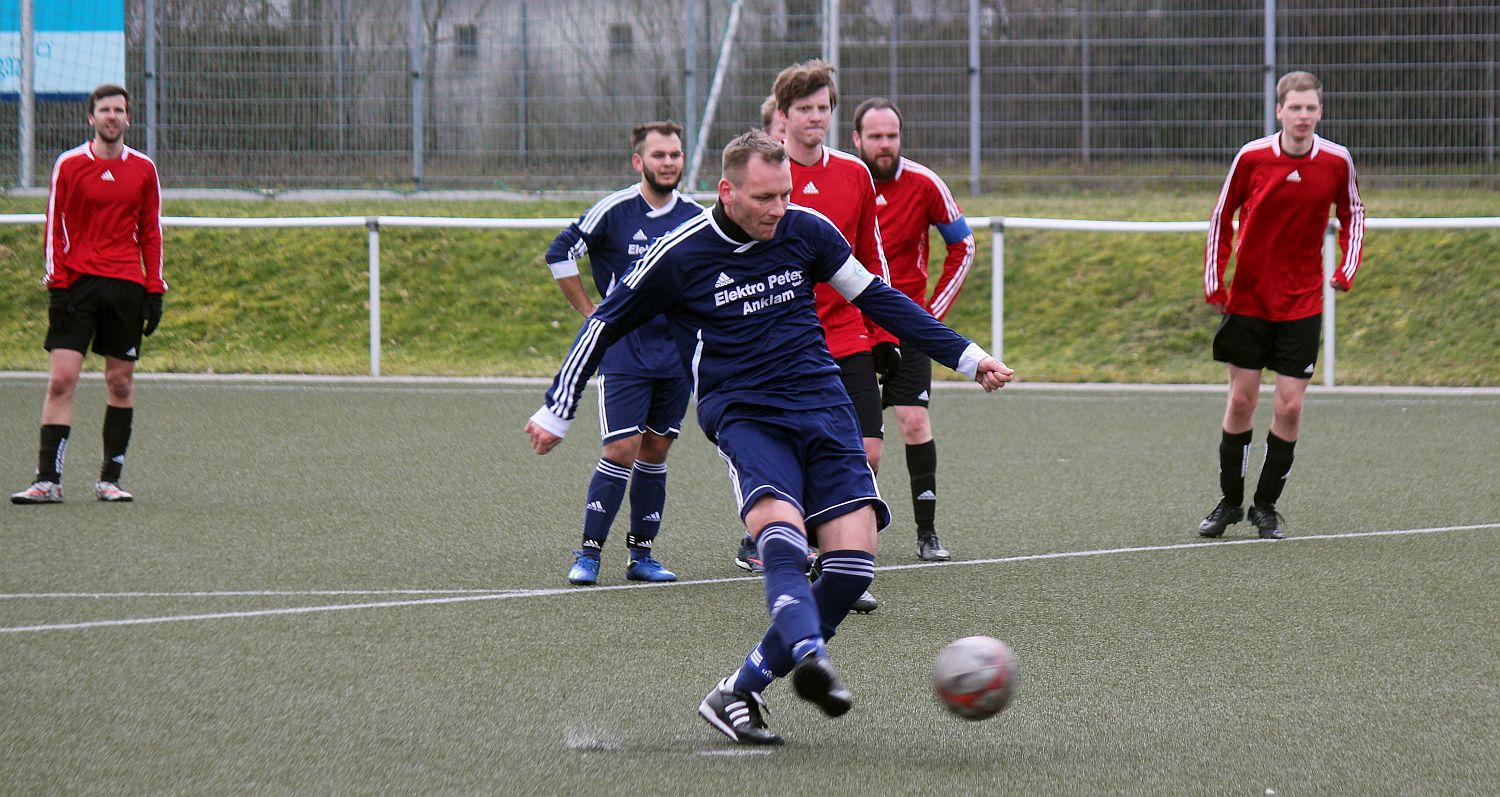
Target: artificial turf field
[{"x": 358, "y": 587}]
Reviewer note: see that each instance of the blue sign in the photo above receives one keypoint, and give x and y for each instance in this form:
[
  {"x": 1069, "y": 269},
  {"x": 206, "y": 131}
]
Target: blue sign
[{"x": 80, "y": 44}]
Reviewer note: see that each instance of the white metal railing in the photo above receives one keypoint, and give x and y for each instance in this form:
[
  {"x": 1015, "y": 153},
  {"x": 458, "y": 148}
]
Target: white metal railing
[{"x": 998, "y": 225}]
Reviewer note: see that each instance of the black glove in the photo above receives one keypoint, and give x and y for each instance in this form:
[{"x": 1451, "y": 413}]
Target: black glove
[
  {"x": 151, "y": 309},
  {"x": 59, "y": 308},
  {"x": 887, "y": 359}
]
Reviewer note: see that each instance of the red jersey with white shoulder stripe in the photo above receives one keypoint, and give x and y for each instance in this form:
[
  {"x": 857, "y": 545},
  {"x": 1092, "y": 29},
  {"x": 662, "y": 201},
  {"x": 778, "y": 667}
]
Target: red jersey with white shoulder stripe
[
  {"x": 104, "y": 218},
  {"x": 839, "y": 188},
  {"x": 1283, "y": 204},
  {"x": 906, "y": 206}
]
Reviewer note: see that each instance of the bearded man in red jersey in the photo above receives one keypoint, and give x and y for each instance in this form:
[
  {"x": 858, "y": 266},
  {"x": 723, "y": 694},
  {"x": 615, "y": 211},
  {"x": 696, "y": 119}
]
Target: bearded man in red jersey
[
  {"x": 909, "y": 200},
  {"x": 104, "y": 280}
]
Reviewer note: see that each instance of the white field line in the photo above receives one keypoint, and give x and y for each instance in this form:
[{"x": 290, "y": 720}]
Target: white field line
[
  {"x": 253, "y": 593},
  {"x": 537, "y": 593}
]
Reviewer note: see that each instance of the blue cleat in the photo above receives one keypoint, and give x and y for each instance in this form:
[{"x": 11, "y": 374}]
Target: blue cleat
[
  {"x": 585, "y": 569},
  {"x": 647, "y": 569}
]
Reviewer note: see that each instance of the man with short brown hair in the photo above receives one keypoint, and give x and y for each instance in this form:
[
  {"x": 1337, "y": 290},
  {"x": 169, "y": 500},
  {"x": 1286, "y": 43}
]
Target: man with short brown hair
[
  {"x": 104, "y": 284},
  {"x": 643, "y": 390},
  {"x": 1282, "y": 185},
  {"x": 909, "y": 200}
]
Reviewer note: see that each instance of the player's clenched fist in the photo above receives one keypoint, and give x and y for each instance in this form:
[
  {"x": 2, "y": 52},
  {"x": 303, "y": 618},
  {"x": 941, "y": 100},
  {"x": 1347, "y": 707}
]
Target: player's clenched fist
[
  {"x": 992, "y": 374},
  {"x": 542, "y": 440}
]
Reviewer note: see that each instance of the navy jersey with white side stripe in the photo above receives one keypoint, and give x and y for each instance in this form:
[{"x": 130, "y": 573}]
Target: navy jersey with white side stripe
[
  {"x": 743, "y": 315},
  {"x": 613, "y": 234}
]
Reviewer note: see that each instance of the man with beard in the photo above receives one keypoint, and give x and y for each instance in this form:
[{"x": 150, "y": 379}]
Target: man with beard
[
  {"x": 104, "y": 279},
  {"x": 910, "y": 198},
  {"x": 643, "y": 390}
]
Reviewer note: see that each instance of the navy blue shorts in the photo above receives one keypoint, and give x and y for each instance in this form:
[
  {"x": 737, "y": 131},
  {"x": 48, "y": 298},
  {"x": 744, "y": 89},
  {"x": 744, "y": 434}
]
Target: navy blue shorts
[
  {"x": 813, "y": 459},
  {"x": 630, "y": 405}
]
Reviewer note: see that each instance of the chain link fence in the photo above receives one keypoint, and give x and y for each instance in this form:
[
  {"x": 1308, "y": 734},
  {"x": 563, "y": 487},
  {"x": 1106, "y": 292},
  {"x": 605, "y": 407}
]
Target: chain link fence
[{"x": 531, "y": 95}]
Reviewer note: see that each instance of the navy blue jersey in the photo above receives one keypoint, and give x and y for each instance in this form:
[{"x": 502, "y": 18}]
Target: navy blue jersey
[
  {"x": 743, "y": 316},
  {"x": 613, "y": 234}
]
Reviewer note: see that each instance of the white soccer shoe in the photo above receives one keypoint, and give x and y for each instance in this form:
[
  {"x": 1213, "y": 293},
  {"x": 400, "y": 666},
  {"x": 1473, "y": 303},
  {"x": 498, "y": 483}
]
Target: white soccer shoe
[
  {"x": 110, "y": 491},
  {"x": 40, "y": 492}
]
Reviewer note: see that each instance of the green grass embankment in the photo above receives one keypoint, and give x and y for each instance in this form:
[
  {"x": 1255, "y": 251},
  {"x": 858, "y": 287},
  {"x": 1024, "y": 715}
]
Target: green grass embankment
[{"x": 1079, "y": 306}]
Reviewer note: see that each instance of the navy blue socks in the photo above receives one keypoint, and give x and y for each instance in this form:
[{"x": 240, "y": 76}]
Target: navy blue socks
[
  {"x": 648, "y": 499},
  {"x": 606, "y": 493}
]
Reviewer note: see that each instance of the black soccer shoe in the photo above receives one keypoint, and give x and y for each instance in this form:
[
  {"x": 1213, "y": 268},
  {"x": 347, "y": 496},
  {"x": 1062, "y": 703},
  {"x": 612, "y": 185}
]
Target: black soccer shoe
[
  {"x": 930, "y": 548},
  {"x": 1267, "y": 522},
  {"x": 865, "y": 603},
  {"x": 747, "y": 558},
  {"x": 736, "y": 715},
  {"x": 818, "y": 683},
  {"x": 1221, "y": 518}
]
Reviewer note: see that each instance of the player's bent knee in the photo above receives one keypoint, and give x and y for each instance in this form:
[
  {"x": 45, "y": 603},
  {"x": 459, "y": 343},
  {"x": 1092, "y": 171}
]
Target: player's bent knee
[{"x": 769, "y": 509}]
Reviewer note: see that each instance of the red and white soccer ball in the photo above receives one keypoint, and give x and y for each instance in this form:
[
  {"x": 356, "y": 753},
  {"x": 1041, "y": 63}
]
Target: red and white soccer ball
[{"x": 975, "y": 676}]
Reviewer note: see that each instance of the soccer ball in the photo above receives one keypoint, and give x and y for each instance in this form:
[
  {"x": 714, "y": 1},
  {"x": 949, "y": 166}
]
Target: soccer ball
[{"x": 975, "y": 676}]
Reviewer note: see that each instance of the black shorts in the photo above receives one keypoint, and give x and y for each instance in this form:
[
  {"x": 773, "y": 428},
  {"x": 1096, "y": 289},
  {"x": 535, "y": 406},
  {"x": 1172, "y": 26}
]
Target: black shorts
[
  {"x": 105, "y": 311},
  {"x": 911, "y": 385},
  {"x": 858, "y": 373},
  {"x": 1289, "y": 348}
]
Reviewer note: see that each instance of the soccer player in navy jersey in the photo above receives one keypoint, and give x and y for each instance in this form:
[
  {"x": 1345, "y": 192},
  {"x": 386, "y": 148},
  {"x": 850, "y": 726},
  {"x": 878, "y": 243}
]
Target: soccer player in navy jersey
[
  {"x": 104, "y": 280},
  {"x": 736, "y": 287},
  {"x": 643, "y": 390},
  {"x": 909, "y": 199},
  {"x": 1282, "y": 185}
]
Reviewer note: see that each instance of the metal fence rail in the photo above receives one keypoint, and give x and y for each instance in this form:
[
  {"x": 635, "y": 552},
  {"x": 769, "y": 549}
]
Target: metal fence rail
[
  {"x": 997, "y": 225},
  {"x": 523, "y": 94}
]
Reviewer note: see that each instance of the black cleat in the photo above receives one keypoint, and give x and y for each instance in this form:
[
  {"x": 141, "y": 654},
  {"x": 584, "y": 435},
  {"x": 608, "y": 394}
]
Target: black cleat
[
  {"x": 818, "y": 683},
  {"x": 747, "y": 558},
  {"x": 1267, "y": 522},
  {"x": 865, "y": 603},
  {"x": 736, "y": 715},
  {"x": 930, "y": 548},
  {"x": 1221, "y": 518}
]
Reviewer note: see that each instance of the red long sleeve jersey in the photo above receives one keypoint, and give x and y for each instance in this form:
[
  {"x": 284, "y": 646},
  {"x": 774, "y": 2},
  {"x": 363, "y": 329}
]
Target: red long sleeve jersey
[
  {"x": 1283, "y": 205},
  {"x": 906, "y": 206},
  {"x": 840, "y": 188},
  {"x": 104, "y": 218}
]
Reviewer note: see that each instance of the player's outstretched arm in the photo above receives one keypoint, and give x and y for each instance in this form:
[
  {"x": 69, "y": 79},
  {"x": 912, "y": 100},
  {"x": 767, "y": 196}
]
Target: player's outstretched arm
[{"x": 992, "y": 374}]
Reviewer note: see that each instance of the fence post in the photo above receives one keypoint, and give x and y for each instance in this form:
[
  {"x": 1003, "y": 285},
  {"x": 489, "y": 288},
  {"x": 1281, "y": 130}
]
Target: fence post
[
  {"x": 26, "y": 97},
  {"x": 372, "y": 223},
  {"x": 974, "y": 144},
  {"x": 1269, "y": 67},
  {"x": 997, "y": 289},
  {"x": 690, "y": 78},
  {"x": 418, "y": 56},
  {"x": 1086, "y": 131},
  {"x": 1330, "y": 253},
  {"x": 831, "y": 42},
  {"x": 153, "y": 113}
]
